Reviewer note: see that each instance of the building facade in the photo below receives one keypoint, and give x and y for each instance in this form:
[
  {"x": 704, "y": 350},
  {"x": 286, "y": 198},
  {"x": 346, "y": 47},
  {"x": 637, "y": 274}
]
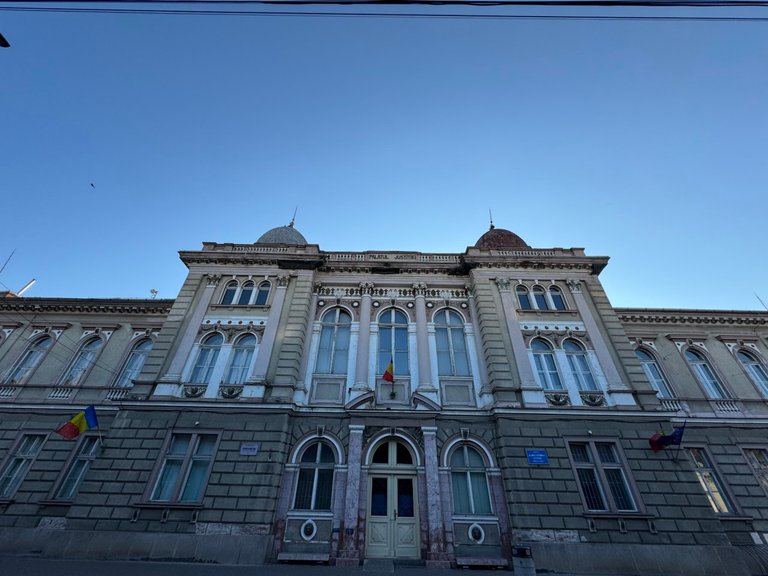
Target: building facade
[{"x": 248, "y": 420}]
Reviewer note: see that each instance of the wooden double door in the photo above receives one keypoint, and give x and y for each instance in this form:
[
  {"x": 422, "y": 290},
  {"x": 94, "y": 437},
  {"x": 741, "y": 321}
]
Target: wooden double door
[{"x": 392, "y": 527}]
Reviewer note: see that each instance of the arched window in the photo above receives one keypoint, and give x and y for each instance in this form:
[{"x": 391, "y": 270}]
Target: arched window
[
  {"x": 263, "y": 293},
  {"x": 30, "y": 360},
  {"x": 83, "y": 361},
  {"x": 134, "y": 363},
  {"x": 469, "y": 482},
  {"x": 393, "y": 341},
  {"x": 315, "y": 485},
  {"x": 523, "y": 299},
  {"x": 557, "y": 298},
  {"x": 245, "y": 294},
  {"x": 754, "y": 368},
  {"x": 654, "y": 374},
  {"x": 240, "y": 360},
  {"x": 705, "y": 375},
  {"x": 541, "y": 298},
  {"x": 229, "y": 293},
  {"x": 333, "y": 352},
  {"x": 452, "y": 358},
  {"x": 579, "y": 364},
  {"x": 546, "y": 367},
  {"x": 392, "y": 453},
  {"x": 206, "y": 358}
]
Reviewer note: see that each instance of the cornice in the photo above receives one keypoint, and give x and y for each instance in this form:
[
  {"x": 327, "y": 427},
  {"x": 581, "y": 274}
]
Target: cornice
[
  {"x": 88, "y": 305},
  {"x": 672, "y": 316}
]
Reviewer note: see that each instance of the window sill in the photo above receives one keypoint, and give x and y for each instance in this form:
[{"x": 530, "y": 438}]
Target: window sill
[
  {"x": 169, "y": 505},
  {"x": 239, "y": 306},
  {"x": 572, "y": 313},
  {"x": 734, "y": 517},
  {"x": 55, "y": 502},
  {"x": 620, "y": 515}
]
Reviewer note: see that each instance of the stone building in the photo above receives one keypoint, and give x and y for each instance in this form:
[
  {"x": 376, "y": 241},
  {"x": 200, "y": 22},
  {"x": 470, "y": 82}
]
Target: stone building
[{"x": 247, "y": 420}]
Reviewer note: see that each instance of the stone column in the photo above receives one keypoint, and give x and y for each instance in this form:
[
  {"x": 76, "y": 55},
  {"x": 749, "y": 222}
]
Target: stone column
[
  {"x": 267, "y": 344},
  {"x": 598, "y": 342},
  {"x": 174, "y": 373},
  {"x": 485, "y": 391},
  {"x": 424, "y": 383},
  {"x": 436, "y": 555},
  {"x": 524, "y": 368},
  {"x": 364, "y": 338},
  {"x": 349, "y": 554}
]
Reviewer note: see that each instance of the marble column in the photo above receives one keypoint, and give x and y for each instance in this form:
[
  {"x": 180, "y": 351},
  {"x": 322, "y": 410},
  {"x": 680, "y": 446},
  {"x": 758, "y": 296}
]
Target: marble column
[
  {"x": 266, "y": 346},
  {"x": 598, "y": 342},
  {"x": 174, "y": 373},
  {"x": 364, "y": 338},
  {"x": 436, "y": 555},
  {"x": 422, "y": 340},
  {"x": 349, "y": 553}
]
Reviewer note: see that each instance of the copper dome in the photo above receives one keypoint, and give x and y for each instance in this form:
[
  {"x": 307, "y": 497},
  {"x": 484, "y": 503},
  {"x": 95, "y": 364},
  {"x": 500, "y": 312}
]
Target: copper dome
[{"x": 500, "y": 238}]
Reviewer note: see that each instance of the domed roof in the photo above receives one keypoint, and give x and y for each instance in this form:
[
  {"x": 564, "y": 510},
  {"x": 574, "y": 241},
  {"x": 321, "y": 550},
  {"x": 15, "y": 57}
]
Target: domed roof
[
  {"x": 283, "y": 235},
  {"x": 500, "y": 238}
]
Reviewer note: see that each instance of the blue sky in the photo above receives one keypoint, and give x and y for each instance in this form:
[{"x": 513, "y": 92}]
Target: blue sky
[{"x": 642, "y": 141}]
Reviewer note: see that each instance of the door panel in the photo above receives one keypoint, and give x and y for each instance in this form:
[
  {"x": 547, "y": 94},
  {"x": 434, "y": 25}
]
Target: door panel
[
  {"x": 406, "y": 527},
  {"x": 393, "y": 527}
]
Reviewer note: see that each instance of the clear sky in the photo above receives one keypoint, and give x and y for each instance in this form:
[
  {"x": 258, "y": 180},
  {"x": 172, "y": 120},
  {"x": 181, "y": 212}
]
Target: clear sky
[{"x": 642, "y": 141}]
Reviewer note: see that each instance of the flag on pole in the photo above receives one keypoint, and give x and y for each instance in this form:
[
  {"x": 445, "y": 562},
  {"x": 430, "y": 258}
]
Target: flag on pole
[
  {"x": 79, "y": 423},
  {"x": 659, "y": 441},
  {"x": 389, "y": 373}
]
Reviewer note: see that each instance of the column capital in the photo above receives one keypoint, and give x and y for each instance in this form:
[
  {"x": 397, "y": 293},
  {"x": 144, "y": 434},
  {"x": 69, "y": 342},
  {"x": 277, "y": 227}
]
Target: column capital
[
  {"x": 283, "y": 280},
  {"x": 502, "y": 283},
  {"x": 366, "y": 288},
  {"x": 419, "y": 288},
  {"x": 212, "y": 280},
  {"x": 356, "y": 428},
  {"x": 431, "y": 430},
  {"x": 574, "y": 285}
]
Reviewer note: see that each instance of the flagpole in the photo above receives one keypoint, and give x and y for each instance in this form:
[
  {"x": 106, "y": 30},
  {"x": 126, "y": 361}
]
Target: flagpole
[{"x": 677, "y": 453}]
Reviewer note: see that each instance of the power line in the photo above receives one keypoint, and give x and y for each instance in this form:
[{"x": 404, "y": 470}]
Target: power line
[
  {"x": 462, "y": 16},
  {"x": 492, "y": 3}
]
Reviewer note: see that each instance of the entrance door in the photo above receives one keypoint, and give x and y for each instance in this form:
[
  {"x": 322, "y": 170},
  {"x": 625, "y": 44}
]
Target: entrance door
[{"x": 393, "y": 524}]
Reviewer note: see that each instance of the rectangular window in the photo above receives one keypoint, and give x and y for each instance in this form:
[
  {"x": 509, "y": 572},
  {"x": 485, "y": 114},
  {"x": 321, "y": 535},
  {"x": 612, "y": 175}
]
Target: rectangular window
[
  {"x": 86, "y": 453},
  {"x": 710, "y": 481},
  {"x": 601, "y": 476},
  {"x": 184, "y": 469},
  {"x": 758, "y": 460},
  {"x": 19, "y": 462}
]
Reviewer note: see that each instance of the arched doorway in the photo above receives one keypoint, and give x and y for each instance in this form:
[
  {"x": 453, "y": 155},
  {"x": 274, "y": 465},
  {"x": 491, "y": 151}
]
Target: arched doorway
[{"x": 392, "y": 525}]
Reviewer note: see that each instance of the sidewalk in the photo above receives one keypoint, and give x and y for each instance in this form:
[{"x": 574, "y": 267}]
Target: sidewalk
[{"x": 30, "y": 566}]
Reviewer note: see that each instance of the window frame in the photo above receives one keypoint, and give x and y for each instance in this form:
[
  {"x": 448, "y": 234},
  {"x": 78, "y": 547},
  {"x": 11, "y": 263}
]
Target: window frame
[
  {"x": 133, "y": 348},
  {"x": 756, "y": 361},
  {"x": 555, "y": 289},
  {"x": 210, "y": 367},
  {"x": 182, "y": 477},
  {"x": 315, "y": 467},
  {"x": 467, "y": 471},
  {"x": 28, "y": 349},
  {"x": 66, "y": 376},
  {"x": 523, "y": 295},
  {"x": 598, "y": 466},
  {"x": 705, "y": 362},
  {"x": 10, "y": 458},
  {"x": 259, "y": 292},
  {"x": 655, "y": 361},
  {"x": 546, "y": 384},
  {"x": 76, "y": 455},
  {"x": 758, "y": 472},
  {"x": 452, "y": 352},
  {"x": 246, "y": 367},
  {"x": 577, "y": 372},
  {"x": 540, "y": 299},
  {"x": 392, "y": 350},
  {"x": 717, "y": 475},
  {"x": 334, "y": 327}
]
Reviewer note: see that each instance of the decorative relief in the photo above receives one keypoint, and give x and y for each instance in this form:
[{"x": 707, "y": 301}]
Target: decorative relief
[
  {"x": 593, "y": 398},
  {"x": 230, "y": 392},
  {"x": 283, "y": 280},
  {"x": 370, "y": 289},
  {"x": 366, "y": 288},
  {"x": 503, "y": 283},
  {"x": 558, "y": 398},
  {"x": 193, "y": 390},
  {"x": 574, "y": 285},
  {"x": 420, "y": 289},
  {"x": 555, "y": 334},
  {"x": 212, "y": 280},
  {"x": 231, "y": 331}
]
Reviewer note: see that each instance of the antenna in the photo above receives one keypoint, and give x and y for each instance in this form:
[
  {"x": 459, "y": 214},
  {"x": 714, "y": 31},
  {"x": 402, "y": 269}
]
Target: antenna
[
  {"x": 761, "y": 301},
  {"x": 490, "y": 216},
  {"x": 8, "y": 260},
  {"x": 294, "y": 217},
  {"x": 26, "y": 287}
]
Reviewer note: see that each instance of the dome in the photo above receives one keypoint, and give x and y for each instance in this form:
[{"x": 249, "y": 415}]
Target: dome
[
  {"x": 500, "y": 238},
  {"x": 282, "y": 235}
]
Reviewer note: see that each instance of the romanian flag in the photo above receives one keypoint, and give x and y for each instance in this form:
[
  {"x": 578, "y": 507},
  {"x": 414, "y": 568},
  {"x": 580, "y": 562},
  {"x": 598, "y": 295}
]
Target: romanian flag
[
  {"x": 389, "y": 373},
  {"x": 79, "y": 423},
  {"x": 660, "y": 441}
]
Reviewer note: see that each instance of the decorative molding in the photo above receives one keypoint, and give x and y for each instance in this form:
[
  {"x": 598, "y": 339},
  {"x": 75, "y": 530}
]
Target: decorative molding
[
  {"x": 558, "y": 398},
  {"x": 86, "y": 306},
  {"x": 666, "y": 316},
  {"x": 592, "y": 398},
  {"x": 193, "y": 390},
  {"x": 230, "y": 392}
]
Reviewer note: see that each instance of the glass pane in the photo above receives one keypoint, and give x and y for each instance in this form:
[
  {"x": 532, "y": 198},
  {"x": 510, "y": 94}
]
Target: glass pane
[
  {"x": 474, "y": 458},
  {"x": 399, "y": 317},
  {"x": 557, "y": 299},
  {"x": 607, "y": 453},
  {"x": 326, "y": 454},
  {"x": 580, "y": 453},
  {"x": 378, "y": 497},
  {"x": 401, "y": 363},
  {"x": 480, "y": 493},
  {"x": 591, "y": 489},
  {"x": 310, "y": 454},
  {"x": 403, "y": 455},
  {"x": 381, "y": 456},
  {"x": 304, "y": 489},
  {"x": 540, "y": 346},
  {"x": 193, "y": 489},
  {"x": 167, "y": 480},
  {"x": 461, "y": 504},
  {"x": 541, "y": 299},
  {"x": 341, "y": 350},
  {"x": 206, "y": 444},
  {"x": 12, "y": 476},
  {"x": 619, "y": 489},
  {"x": 405, "y": 497},
  {"x": 457, "y": 459},
  {"x": 263, "y": 294},
  {"x": 444, "y": 363},
  {"x": 324, "y": 489},
  {"x": 460, "y": 358},
  {"x": 245, "y": 295},
  {"x": 323, "y": 364},
  {"x": 179, "y": 444},
  {"x": 70, "y": 483},
  {"x": 714, "y": 493},
  {"x": 229, "y": 293}
]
